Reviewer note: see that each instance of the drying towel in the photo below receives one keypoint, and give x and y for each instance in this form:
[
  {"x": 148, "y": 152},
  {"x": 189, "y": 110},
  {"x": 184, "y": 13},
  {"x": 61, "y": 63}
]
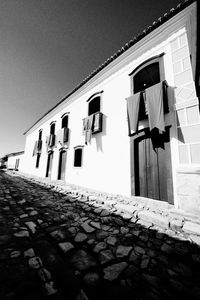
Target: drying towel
[
  {"x": 35, "y": 148},
  {"x": 85, "y": 124},
  {"x": 133, "y": 103},
  {"x": 154, "y": 99},
  {"x": 89, "y": 127},
  {"x": 65, "y": 132},
  {"x": 59, "y": 137},
  {"x": 96, "y": 121}
]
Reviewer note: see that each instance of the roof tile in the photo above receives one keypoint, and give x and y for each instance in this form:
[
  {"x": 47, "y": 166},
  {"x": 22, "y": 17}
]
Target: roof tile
[{"x": 133, "y": 41}]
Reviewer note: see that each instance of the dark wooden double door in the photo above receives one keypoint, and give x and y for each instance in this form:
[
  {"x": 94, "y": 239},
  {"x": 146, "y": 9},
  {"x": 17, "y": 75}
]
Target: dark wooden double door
[
  {"x": 49, "y": 164},
  {"x": 62, "y": 165},
  {"x": 151, "y": 166}
]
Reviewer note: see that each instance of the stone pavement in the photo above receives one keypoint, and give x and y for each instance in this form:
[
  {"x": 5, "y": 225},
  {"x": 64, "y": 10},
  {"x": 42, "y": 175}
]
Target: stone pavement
[{"x": 60, "y": 244}]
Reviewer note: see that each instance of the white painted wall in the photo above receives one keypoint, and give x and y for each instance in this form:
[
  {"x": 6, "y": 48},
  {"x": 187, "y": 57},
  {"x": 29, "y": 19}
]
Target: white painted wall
[
  {"x": 12, "y": 161},
  {"x": 106, "y": 161}
]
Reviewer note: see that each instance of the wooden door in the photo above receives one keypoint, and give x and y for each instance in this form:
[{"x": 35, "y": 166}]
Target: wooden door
[
  {"x": 62, "y": 165},
  {"x": 152, "y": 167},
  {"x": 49, "y": 164}
]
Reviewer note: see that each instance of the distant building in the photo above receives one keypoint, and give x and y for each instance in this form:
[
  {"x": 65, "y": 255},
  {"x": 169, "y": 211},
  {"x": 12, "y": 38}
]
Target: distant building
[
  {"x": 14, "y": 160},
  {"x": 88, "y": 138},
  {"x": 3, "y": 162}
]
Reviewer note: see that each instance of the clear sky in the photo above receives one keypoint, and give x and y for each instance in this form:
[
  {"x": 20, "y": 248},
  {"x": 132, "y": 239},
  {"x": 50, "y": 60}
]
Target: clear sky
[{"x": 47, "y": 47}]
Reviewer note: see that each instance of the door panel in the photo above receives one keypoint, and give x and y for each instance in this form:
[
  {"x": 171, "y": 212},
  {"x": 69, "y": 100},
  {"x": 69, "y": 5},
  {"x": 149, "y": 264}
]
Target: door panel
[
  {"x": 152, "y": 168},
  {"x": 152, "y": 171},
  {"x": 165, "y": 170},
  {"x": 142, "y": 169}
]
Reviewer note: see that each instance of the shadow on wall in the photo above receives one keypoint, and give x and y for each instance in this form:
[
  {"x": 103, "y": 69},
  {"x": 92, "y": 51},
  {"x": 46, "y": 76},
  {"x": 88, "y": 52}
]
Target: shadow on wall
[{"x": 98, "y": 136}]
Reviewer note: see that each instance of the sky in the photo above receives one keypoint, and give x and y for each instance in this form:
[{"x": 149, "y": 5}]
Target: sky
[{"x": 47, "y": 47}]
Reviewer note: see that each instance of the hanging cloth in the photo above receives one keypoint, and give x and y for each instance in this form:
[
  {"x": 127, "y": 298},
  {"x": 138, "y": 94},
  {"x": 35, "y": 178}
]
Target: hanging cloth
[
  {"x": 47, "y": 143},
  {"x": 96, "y": 121},
  {"x": 133, "y": 103},
  {"x": 89, "y": 127},
  {"x": 154, "y": 100},
  {"x": 35, "y": 148}
]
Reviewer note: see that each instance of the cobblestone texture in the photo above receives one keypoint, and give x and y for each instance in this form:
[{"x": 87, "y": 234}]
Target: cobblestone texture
[{"x": 61, "y": 242}]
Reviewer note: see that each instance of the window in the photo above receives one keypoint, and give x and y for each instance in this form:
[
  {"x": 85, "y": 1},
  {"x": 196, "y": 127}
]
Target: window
[
  {"x": 94, "y": 106},
  {"x": 40, "y": 135},
  {"x": 64, "y": 122},
  {"x": 144, "y": 76},
  {"x": 37, "y": 160},
  {"x": 52, "y": 128},
  {"x": 39, "y": 142},
  {"x": 52, "y": 136},
  {"x": 78, "y": 157}
]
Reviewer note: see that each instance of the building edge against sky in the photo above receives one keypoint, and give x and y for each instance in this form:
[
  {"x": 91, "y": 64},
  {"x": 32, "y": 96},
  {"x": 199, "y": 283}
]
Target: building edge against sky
[{"x": 86, "y": 138}]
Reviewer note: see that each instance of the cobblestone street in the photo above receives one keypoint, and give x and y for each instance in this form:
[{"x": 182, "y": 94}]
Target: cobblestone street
[{"x": 62, "y": 245}]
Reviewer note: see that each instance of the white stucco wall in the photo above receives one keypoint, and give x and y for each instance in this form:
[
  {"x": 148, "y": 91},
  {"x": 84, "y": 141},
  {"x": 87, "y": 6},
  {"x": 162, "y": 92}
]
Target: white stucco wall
[
  {"x": 12, "y": 161},
  {"x": 106, "y": 161}
]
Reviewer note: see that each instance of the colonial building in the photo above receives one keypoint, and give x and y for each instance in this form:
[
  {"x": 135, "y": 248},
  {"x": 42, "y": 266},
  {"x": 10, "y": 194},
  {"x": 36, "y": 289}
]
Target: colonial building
[
  {"x": 132, "y": 127},
  {"x": 14, "y": 160}
]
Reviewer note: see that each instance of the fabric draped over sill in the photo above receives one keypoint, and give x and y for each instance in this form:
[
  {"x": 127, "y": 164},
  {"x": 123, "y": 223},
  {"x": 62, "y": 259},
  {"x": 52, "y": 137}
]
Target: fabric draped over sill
[
  {"x": 47, "y": 143},
  {"x": 62, "y": 136},
  {"x": 133, "y": 104},
  {"x": 88, "y": 124},
  {"x": 35, "y": 148},
  {"x": 154, "y": 100},
  {"x": 97, "y": 122},
  {"x": 52, "y": 138},
  {"x": 39, "y": 146},
  {"x": 50, "y": 141},
  {"x": 65, "y": 134}
]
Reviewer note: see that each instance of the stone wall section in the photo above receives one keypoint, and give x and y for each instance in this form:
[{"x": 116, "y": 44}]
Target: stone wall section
[
  {"x": 188, "y": 127},
  {"x": 188, "y": 119}
]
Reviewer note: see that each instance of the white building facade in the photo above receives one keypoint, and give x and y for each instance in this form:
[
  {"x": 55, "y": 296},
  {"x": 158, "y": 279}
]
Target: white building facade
[
  {"x": 15, "y": 160},
  {"x": 87, "y": 139}
]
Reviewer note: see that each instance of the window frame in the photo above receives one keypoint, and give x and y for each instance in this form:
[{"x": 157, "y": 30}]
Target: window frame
[
  {"x": 40, "y": 135},
  {"x": 91, "y": 98},
  {"x": 52, "y": 124},
  {"x": 155, "y": 59},
  {"x": 37, "y": 164},
  {"x": 66, "y": 115},
  {"x": 75, "y": 149}
]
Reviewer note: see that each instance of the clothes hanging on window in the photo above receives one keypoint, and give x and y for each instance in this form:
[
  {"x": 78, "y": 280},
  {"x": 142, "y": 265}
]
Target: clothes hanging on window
[
  {"x": 89, "y": 127},
  {"x": 96, "y": 121},
  {"x": 47, "y": 143},
  {"x": 154, "y": 99},
  {"x": 85, "y": 124},
  {"x": 59, "y": 137},
  {"x": 133, "y": 103},
  {"x": 35, "y": 148},
  {"x": 65, "y": 134},
  {"x": 39, "y": 146},
  {"x": 52, "y": 140}
]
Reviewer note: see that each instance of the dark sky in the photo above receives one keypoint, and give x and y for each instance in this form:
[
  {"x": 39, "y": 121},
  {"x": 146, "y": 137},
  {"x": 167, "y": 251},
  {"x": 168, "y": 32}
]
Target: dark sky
[{"x": 47, "y": 47}]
